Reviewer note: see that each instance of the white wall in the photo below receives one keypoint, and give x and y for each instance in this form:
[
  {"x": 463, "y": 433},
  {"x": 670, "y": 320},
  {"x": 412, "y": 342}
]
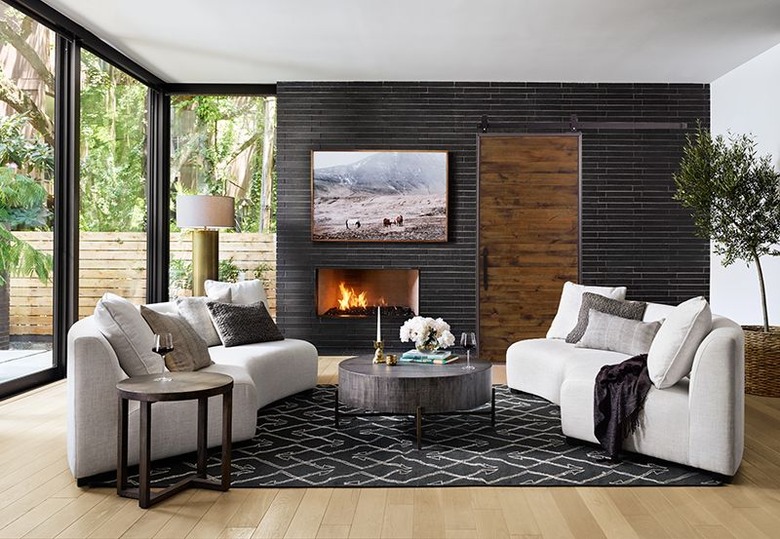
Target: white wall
[{"x": 747, "y": 100}]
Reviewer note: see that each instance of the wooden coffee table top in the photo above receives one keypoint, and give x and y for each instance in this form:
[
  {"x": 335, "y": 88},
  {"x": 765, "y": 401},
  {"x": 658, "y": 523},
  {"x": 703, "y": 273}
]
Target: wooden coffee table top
[{"x": 363, "y": 365}]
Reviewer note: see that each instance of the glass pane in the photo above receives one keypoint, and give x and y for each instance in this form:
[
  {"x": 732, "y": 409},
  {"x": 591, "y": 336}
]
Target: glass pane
[
  {"x": 26, "y": 194},
  {"x": 112, "y": 217},
  {"x": 226, "y": 145}
]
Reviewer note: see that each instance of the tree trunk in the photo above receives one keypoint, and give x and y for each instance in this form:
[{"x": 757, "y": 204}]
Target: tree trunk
[
  {"x": 763, "y": 291},
  {"x": 266, "y": 176}
]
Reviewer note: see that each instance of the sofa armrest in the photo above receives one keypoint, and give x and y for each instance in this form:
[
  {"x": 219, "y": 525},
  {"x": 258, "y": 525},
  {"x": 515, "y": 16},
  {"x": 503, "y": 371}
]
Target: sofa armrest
[
  {"x": 93, "y": 372},
  {"x": 717, "y": 400}
]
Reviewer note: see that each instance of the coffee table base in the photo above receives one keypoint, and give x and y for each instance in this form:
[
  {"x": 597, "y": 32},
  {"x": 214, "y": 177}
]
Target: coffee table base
[{"x": 418, "y": 415}]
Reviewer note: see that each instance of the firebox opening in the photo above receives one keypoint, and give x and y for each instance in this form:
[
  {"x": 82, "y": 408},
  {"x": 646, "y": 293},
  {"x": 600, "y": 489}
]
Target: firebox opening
[{"x": 357, "y": 292}]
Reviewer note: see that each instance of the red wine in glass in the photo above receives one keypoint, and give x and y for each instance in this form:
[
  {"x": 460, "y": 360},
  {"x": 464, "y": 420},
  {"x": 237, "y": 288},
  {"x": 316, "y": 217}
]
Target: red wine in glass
[
  {"x": 163, "y": 345},
  {"x": 468, "y": 340}
]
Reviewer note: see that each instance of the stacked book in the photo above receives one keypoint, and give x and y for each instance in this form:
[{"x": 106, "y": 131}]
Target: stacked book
[{"x": 440, "y": 357}]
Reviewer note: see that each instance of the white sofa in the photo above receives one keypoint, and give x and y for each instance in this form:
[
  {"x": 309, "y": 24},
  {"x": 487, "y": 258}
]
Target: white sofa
[
  {"x": 262, "y": 372},
  {"x": 699, "y": 421}
]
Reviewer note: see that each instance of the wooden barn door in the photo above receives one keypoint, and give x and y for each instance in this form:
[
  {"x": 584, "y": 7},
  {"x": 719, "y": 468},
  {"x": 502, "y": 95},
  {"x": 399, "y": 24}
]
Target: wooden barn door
[{"x": 529, "y": 189}]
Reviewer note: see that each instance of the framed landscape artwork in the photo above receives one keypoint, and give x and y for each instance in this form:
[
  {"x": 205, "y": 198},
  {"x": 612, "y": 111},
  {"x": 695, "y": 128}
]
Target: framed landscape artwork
[{"x": 379, "y": 196}]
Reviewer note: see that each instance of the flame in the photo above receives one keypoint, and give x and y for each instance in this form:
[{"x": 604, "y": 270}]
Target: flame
[{"x": 349, "y": 298}]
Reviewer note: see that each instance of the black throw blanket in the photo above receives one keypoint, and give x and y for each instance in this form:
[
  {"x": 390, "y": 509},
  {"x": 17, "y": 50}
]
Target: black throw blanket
[{"x": 618, "y": 398}]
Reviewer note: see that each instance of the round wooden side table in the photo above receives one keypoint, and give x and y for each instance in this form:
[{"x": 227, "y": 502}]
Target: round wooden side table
[{"x": 172, "y": 386}]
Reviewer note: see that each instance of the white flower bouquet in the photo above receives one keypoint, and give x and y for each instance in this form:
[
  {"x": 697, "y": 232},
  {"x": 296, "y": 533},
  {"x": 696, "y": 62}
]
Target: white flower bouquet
[{"x": 427, "y": 334}]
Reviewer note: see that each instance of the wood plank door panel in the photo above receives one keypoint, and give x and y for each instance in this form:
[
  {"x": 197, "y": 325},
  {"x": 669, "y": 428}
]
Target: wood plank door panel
[{"x": 529, "y": 192}]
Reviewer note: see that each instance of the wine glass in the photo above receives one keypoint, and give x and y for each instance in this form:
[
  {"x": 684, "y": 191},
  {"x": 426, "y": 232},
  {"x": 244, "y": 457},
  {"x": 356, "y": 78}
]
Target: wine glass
[
  {"x": 468, "y": 340},
  {"x": 163, "y": 344}
]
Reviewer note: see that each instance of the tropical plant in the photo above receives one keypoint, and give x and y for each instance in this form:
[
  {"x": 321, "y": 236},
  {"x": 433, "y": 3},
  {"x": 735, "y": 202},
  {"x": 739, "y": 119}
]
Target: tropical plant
[
  {"x": 23, "y": 200},
  {"x": 734, "y": 196}
]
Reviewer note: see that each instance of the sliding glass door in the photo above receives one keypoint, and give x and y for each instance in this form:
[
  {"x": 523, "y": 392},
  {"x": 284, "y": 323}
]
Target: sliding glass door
[{"x": 27, "y": 196}]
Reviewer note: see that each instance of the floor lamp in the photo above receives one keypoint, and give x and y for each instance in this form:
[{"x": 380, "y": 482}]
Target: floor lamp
[{"x": 204, "y": 213}]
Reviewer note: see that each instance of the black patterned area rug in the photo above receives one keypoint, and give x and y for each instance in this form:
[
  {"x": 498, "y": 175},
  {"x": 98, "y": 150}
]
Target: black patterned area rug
[{"x": 298, "y": 445}]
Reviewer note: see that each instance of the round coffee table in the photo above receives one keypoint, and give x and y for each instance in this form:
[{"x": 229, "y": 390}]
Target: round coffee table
[{"x": 414, "y": 389}]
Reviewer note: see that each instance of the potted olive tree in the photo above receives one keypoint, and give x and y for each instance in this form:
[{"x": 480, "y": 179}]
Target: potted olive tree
[{"x": 734, "y": 196}]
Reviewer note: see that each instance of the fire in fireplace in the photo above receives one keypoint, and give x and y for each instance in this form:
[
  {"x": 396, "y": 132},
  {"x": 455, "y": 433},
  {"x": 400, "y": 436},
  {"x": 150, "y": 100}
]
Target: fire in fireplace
[{"x": 357, "y": 292}]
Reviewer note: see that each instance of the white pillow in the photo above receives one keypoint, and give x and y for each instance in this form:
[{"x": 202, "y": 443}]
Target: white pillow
[
  {"x": 242, "y": 293},
  {"x": 569, "y": 307},
  {"x": 121, "y": 324},
  {"x": 671, "y": 355}
]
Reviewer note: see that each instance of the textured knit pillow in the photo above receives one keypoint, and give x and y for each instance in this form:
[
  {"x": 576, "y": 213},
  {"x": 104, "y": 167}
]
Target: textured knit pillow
[
  {"x": 569, "y": 306},
  {"x": 633, "y": 310},
  {"x": 243, "y": 292},
  {"x": 671, "y": 356},
  {"x": 608, "y": 332},
  {"x": 190, "y": 352},
  {"x": 195, "y": 312},
  {"x": 123, "y": 327},
  {"x": 243, "y": 324}
]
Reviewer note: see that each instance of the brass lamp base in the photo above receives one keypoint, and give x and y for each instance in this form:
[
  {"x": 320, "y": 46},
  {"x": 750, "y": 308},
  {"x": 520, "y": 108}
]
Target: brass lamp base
[{"x": 205, "y": 259}]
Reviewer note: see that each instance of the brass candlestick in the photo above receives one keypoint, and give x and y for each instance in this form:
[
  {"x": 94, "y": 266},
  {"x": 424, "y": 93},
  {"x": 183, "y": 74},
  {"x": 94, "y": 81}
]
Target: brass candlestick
[{"x": 379, "y": 351}]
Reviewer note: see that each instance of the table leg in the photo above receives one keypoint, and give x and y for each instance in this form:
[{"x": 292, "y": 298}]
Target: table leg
[
  {"x": 420, "y": 411},
  {"x": 336, "y": 408},
  {"x": 203, "y": 422},
  {"x": 227, "y": 437},
  {"x": 145, "y": 456},
  {"x": 121, "y": 447},
  {"x": 493, "y": 408}
]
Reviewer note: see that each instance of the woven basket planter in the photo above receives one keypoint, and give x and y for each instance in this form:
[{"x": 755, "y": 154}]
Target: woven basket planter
[{"x": 762, "y": 361}]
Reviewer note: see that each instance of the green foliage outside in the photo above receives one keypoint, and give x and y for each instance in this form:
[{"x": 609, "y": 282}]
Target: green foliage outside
[
  {"x": 734, "y": 196},
  {"x": 23, "y": 201},
  {"x": 113, "y": 149}
]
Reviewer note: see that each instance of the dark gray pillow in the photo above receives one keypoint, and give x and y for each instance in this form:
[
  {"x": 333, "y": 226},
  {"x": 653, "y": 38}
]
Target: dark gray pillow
[
  {"x": 633, "y": 310},
  {"x": 190, "y": 352},
  {"x": 243, "y": 324},
  {"x": 607, "y": 332}
]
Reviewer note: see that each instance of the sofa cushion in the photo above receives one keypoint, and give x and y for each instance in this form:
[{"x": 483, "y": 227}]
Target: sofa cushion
[
  {"x": 671, "y": 355},
  {"x": 242, "y": 293},
  {"x": 190, "y": 352},
  {"x": 195, "y": 312},
  {"x": 569, "y": 306},
  {"x": 608, "y": 332},
  {"x": 121, "y": 324},
  {"x": 633, "y": 310},
  {"x": 243, "y": 324},
  {"x": 278, "y": 368}
]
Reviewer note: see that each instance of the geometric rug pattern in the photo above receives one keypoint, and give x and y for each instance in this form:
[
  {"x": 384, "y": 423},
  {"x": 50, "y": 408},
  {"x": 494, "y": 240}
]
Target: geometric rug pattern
[{"x": 297, "y": 445}]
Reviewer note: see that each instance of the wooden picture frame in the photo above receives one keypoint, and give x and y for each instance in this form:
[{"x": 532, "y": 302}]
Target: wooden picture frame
[{"x": 379, "y": 195}]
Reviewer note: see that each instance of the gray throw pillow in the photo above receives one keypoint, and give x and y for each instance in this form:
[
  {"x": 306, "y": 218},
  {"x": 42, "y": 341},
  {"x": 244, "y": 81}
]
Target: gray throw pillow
[
  {"x": 190, "y": 352},
  {"x": 243, "y": 324},
  {"x": 607, "y": 332},
  {"x": 195, "y": 312},
  {"x": 122, "y": 325},
  {"x": 633, "y": 310}
]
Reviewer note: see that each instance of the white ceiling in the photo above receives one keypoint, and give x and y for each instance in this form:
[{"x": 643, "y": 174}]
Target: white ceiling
[{"x": 265, "y": 41}]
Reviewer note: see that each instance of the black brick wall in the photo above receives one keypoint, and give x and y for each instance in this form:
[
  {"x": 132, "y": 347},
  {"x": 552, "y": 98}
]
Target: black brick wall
[{"x": 633, "y": 233}]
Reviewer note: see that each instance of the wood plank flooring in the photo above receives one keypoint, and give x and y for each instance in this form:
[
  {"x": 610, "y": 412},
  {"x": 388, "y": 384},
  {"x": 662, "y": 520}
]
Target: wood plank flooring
[{"x": 39, "y": 498}]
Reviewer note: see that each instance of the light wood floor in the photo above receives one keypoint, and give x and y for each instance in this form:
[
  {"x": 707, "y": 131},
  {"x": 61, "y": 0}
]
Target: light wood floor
[{"x": 39, "y": 498}]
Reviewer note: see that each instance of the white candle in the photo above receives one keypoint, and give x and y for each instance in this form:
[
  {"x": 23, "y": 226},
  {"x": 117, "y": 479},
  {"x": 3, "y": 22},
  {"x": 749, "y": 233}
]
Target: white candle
[{"x": 378, "y": 325}]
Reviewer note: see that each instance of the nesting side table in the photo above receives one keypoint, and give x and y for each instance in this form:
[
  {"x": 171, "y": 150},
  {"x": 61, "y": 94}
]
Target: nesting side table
[{"x": 172, "y": 386}]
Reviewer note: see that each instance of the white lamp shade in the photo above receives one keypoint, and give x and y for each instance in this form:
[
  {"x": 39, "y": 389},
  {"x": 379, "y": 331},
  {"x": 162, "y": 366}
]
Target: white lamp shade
[{"x": 204, "y": 211}]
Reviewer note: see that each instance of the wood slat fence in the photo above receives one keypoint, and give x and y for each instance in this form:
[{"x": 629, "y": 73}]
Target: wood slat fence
[{"x": 116, "y": 262}]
